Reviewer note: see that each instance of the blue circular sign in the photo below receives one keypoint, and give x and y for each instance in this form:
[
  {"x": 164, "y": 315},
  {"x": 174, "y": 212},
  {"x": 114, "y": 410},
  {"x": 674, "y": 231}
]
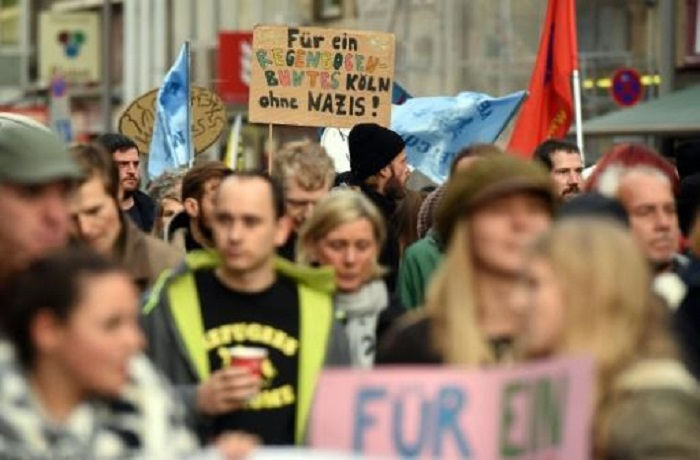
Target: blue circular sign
[{"x": 627, "y": 88}]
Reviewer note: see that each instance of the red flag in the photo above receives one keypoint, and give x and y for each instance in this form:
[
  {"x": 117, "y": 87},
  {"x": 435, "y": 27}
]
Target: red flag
[{"x": 549, "y": 109}]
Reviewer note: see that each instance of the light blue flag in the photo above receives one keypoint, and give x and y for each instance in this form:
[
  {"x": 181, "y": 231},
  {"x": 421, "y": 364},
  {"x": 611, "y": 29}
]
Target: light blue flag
[
  {"x": 437, "y": 128},
  {"x": 171, "y": 145}
]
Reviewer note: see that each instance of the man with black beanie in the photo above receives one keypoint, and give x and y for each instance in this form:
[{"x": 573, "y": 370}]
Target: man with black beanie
[{"x": 378, "y": 167}]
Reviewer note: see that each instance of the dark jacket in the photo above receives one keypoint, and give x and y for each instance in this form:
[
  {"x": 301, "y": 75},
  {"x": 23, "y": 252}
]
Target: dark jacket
[
  {"x": 289, "y": 249},
  {"x": 178, "y": 230},
  {"x": 143, "y": 212},
  {"x": 173, "y": 324},
  {"x": 390, "y": 254},
  {"x": 144, "y": 256},
  {"x": 419, "y": 262},
  {"x": 686, "y": 320},
  {"x": 410, "y": 341}
]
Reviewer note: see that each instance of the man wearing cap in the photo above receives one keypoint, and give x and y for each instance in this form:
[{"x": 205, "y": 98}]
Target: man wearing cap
[
  {"x": 36, "y": 182},
  {"x": 378, "y": 166},
  {"x": 36, "y": 173}
]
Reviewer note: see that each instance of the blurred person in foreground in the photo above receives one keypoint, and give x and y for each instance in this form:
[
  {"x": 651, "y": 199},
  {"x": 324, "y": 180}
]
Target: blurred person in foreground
[
  {"x": 99, "y": 222},
  {"x": 573, "y": 302},
  {"x": 487, "y": 217},
  {"x": 72, "y": 318},
  {"x": 345, "y": 232},
  {"x": 306, "y": 173},
  {"x": 242, "y": 294},
  {"x": 421, "y": 259},
  {"x": 37, "y": 178},
  {"x": 125, "y": 154}
]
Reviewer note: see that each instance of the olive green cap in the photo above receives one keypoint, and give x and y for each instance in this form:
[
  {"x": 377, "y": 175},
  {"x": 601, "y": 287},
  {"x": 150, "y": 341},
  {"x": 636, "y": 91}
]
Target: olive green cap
[
  {"x": 490, "y": 178},
  {"x": 30, "y": 153}
]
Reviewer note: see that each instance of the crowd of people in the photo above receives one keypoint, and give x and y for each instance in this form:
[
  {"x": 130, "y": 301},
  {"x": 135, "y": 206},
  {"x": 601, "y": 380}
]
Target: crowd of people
[{"x": 120, "y": 310}]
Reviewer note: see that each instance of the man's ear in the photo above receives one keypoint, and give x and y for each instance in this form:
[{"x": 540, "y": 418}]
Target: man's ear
[
  {"x": 46, "y": 331},
  {"x": 283, "y": 231},
  {"x": 385, "y": 172},
  {"x": 191, "y": 207}
]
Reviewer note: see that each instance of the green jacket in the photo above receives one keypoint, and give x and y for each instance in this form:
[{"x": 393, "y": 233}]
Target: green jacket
[
  {"x": 420, "y": 261},
  {"x": 175, "y": 331}
]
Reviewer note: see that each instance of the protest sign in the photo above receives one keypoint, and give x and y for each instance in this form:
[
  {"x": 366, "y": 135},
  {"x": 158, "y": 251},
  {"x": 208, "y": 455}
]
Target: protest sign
[
  {"x": 208, "y": 119},
  {"x": 535, "y": 412},
  {"x": 320, "y": 77}
]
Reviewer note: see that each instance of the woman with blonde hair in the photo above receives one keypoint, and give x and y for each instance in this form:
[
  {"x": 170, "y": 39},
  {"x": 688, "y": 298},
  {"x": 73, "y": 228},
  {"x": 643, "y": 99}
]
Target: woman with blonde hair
[
  {"x": 346, "y": 232},
  {"x": 587, "y": 290},
  {"x": 487, "y": 217}
]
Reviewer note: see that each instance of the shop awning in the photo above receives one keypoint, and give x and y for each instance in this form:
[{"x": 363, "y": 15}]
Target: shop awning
[{"x": 675, "y": 114}]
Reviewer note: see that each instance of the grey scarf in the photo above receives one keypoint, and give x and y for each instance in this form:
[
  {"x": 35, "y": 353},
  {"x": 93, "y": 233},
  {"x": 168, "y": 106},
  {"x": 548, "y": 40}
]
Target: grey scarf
[{"x": 360, "y": 311}]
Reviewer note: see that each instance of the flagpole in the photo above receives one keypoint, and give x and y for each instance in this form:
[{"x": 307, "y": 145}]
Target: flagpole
[
  {"x": 269, "y": 155},
  {"x": 189, "y": 103},
  {"x": 577, "y": 111}
]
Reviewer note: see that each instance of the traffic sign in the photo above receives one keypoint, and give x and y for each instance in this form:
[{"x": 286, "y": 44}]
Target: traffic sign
[{"x": 626, "y": 88}]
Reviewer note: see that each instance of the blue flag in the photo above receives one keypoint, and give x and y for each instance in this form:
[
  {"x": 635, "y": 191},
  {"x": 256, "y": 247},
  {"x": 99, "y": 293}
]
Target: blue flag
[
  {"x": 171, "y": 144},
  {"x": 437, "y": 128},
  {"x": 399, "y": 95}
]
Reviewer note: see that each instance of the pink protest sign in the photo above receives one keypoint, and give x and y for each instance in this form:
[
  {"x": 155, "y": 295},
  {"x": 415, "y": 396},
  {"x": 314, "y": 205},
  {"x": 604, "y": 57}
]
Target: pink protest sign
[{"x": 536, "y": 412}]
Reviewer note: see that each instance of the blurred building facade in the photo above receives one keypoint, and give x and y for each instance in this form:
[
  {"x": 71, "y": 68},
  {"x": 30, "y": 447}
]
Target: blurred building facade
[{"x": 443, "y": 46}]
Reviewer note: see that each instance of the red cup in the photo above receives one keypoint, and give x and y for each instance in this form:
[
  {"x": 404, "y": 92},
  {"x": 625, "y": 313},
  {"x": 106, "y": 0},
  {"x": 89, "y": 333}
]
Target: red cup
[{"x": 250, "y": 358}]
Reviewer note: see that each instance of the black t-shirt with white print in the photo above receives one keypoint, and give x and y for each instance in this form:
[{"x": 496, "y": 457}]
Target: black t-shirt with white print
[{"x": 267, "y": 319}]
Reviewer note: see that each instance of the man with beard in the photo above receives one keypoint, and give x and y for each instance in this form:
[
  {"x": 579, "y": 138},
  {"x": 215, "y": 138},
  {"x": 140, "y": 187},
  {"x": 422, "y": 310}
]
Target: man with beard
[
  {"x": 563, "y": 160},
  {"x": 37, "y": 180},
  {"x": 378, "y": 167},
  {"x": 191, "y": 229},
  {"x": 136, "y": 204}
]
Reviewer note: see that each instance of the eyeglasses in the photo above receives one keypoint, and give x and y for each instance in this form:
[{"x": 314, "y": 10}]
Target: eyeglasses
[{"x": 298, "y": 205}]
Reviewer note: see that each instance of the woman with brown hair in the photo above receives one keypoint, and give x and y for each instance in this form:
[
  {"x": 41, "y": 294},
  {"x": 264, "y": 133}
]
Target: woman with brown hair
[
  {"x": 587, "y": 290},
  {"x": 488, "y": 216}
]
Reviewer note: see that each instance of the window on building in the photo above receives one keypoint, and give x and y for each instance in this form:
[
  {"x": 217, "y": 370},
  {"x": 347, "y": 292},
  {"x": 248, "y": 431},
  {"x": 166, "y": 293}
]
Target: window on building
[{"x": 9, "y": 22}]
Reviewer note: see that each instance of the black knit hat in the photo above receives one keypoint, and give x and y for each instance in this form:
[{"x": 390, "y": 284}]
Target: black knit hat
[
  {"x": 372, "y": 147},
  {"x": 487, "y": 179},
  {"x": 593, "y": 204}
]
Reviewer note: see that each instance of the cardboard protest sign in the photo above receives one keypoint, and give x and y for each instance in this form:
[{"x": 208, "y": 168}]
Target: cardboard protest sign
[
  {"x": 208, "y": 117},
  {"x": 536, "y": 412},
  {"x": 320, "y": 77}
]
